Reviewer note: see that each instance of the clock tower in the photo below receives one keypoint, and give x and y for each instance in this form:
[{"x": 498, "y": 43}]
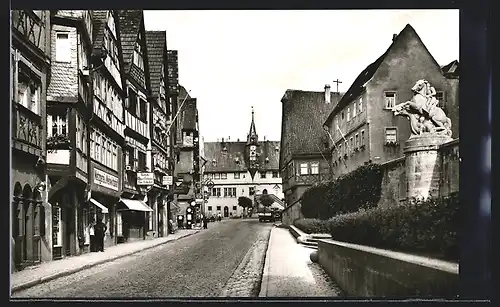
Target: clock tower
[{"x": 252, "y": 149}]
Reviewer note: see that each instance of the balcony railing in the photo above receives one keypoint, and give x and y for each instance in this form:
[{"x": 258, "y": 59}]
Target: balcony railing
[{"x": 27, "y": 126}]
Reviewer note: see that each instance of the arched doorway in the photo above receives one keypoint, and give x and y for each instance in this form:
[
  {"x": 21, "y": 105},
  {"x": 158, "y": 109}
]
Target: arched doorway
[
  {"x": 17, "y": 223},
  {"x": 27, "y": 230},
  {"x": 226, "y": 211}
]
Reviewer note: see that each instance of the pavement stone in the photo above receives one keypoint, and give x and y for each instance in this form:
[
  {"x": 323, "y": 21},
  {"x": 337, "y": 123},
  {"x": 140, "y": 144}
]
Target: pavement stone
[
  {"x": 48, "y": 271},
  {"x": 289, "y": 272}
]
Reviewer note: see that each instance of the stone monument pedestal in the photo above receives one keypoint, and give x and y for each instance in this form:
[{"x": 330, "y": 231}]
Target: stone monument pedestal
[{"x": 423, "y": 165}]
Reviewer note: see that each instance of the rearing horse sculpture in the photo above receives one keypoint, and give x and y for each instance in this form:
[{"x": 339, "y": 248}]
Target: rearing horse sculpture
[{"x": 423, "y": 112}]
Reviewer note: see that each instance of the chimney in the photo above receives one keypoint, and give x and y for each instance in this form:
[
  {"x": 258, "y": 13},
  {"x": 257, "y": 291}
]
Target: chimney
[
  {"x": 229, "y": 138},
  {"x": 394, "y": 37},
  {"x": 327, "y": 93},
  {"x": 222, "y": 141},
  {"x": 264, "y": 137}
]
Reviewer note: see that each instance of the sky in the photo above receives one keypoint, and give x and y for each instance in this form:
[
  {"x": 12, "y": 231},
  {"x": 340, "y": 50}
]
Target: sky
[{"x": 233, "y": 60}]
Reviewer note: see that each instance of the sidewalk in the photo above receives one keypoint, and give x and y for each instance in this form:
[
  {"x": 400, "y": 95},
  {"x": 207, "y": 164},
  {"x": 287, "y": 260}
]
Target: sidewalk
[
  {"x": 288, "y": 271},
  {"x": 47, "y": 271}
]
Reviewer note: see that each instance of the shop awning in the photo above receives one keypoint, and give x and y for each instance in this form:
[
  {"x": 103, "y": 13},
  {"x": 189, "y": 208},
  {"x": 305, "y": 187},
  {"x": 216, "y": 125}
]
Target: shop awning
[
  {"x": 99, "y": 205},
  {"x": 136, "y": 205}
]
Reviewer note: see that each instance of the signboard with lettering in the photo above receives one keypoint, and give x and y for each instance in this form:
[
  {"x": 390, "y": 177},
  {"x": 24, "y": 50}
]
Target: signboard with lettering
[
  {"x": 105, "y": 180},
  {"x": 181, "y": 188},
  {"x": 145, "y": 179},
  {"x": 167, "y": 180}
]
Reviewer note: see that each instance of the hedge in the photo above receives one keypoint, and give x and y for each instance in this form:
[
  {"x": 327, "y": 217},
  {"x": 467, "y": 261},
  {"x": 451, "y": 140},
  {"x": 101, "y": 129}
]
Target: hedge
[
  {"x": 312, "y": 226},
  {"x": 420, "y": 227},
  {"x": 359, "y": 189}
]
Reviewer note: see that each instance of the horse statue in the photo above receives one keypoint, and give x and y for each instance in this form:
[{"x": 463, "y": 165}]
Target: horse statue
[{"x": 422, "y": 111}]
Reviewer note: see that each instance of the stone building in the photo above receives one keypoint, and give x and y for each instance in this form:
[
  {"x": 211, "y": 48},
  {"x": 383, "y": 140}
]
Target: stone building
[
  {"x": 241, "y": 168},
  {"x": 68, "y": 113},
  {"x": 362, "y": 126},
  {"x": 30, "y": 65},
  {"x": 160, "y": 117},
  {"x": 135, "y": 216},
  {"x": 304, "y": 157}
]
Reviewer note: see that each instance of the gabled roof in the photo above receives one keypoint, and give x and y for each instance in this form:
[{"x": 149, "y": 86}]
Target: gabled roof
[
  {"x": 304, "y": 113},
  {"x": 451, "y": 70},
  {"x": 130, "y": 21},
  {"x": 232, "y": 159},
  {"x": 156, "y": 43},
  {"x": 358, "y": 85},
  {"x": 99, "y": 20}
]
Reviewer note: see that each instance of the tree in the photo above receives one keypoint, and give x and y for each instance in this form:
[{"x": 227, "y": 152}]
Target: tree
[
  {"x": 266, "y": 200},
  {"x": 245, "y": 203}
]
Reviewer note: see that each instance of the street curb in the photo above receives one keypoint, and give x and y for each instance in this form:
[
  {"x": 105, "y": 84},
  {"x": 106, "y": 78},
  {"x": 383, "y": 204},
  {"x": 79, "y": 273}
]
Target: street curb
[
  {"x": 45, "y": 279},
  {"x": 264, "y": 284}
]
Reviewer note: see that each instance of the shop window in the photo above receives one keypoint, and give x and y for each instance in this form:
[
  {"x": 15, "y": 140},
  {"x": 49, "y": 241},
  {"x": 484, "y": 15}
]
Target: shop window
[
  {"x": 56, "y": 226},
  {"x": 119, "y": 224}
]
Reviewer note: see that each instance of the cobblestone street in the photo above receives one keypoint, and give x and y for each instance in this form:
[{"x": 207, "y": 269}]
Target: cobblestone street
[{"x": 225, "y": 260}]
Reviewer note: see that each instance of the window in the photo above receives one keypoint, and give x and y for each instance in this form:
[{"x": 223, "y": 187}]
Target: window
[
  {"x": 223, "y": 175},
  {"x": 138, "y": 59},
  {"x": 354, "y": 110},
  {"x": 391, "y": 135},
  {"x": 28, "y": 88},
  {"x": 92, "y": 144},
  {"x": 141, "y": 157},
  {"x": 356, "y": 145},
  {"x": 234, "y": 208},
  {"x": 218, "y": 208},
  {"x": 303, "y": 169},
  {"x": 142, "y": 110},
  {"x": 360, "y": 105},
  {"x": 275, "y": 174},
  {"x": 236, "y": 175},
  {"x": 352, "y": 144},
  {"x": 362, "y": 137},
  {"x": 440, "y": 98},
  {"x": 346, "y": 148},
  {"x": 262, "y": 174},
  {"x": 216, "y": 192},
  {"x": 348, "y": 114},
  {"x": 390, "y": 100},
  {"x": 217, "y": 176},
  {"x": 59, "y": 122},
  {"x": 132, "y": 102},
  {"x": 63, "y": 47},
  {"x": 340, "y": 149},
  {"x": 342, "y": 116},
  {"x": 314, "y": 168},
  {"x": 205, "y": 176},
  {"x": 233, "y": 192},
  {"x": 209, "y": 208},
  {"x": 251, "y": 191},
  {"x": 131, "y": 156},
  {"x": 226, "y": 193},
  {"x": 78, "y": 131}
]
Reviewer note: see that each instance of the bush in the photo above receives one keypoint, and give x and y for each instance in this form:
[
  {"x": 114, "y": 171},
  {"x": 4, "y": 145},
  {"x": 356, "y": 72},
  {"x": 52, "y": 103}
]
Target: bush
[
  {"x": 420, "y": 227},
  {"x": 350, "y": 192},
  {"x": 312, "y": 225}
]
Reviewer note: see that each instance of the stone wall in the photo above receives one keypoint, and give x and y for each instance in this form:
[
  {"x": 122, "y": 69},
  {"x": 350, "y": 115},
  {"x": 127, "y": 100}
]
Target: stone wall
[
  {"x": 371, "y": 272},
  {"x": 395, "y": 186},
  {"x": 292, "y": 213}
]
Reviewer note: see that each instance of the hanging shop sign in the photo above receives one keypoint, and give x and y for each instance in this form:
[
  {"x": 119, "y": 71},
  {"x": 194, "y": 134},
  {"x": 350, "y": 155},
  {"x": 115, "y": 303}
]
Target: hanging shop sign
[
  {"x": 145, "y": 179},
  {"x": 167, "y": 180}
]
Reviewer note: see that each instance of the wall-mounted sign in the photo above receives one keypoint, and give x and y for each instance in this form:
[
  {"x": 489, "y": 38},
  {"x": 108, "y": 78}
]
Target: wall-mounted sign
[
  {"x": 167, "y": 180},
  {"x": 188, "y": 140},
  {"x": 145, "y": 179},
  {"x": 106, "y": 180}
]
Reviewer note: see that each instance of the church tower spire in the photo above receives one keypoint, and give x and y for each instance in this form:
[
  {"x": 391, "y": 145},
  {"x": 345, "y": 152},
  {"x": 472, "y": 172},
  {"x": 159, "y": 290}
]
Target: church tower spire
[
  {"x": 252, "y": 137},
  {"x": 252, "y": 152}
]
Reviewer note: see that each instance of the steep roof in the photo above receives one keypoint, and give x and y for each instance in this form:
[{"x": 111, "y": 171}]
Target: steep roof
[
  {"x": 98, "y": 22},
  {"x": 156, "y": 43},
  {"x": 304, "y": 113},
  {"x": 233, "y": 158},
  {"x": 359, "y": 83},
  {"x": 130, "y": 24}
]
